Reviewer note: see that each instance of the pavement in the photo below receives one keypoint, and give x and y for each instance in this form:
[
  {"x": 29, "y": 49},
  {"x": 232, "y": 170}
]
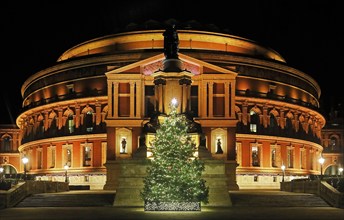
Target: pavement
[{"x": 136, "y": 213}]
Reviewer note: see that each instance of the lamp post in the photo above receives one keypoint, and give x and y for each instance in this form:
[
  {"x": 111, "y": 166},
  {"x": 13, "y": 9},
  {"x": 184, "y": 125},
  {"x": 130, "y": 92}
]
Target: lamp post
[
  {"x": 66, "y": 167},
  {"x": 340, "y": 169},
  {"x": 1, "y": 172},
  {"x": 321, "y": 161},
  {"x": 283, "y": 169},
  {"x": 25, "y": 160}
]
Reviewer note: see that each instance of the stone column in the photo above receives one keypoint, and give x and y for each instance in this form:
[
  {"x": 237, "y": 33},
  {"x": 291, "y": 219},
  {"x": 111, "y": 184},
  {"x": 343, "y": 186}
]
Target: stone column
[
  {"x": 160, "y": 100},
  {"x": 115, "y": 100},
  {"x": 210, "y": 99},
  {"x": 110, "y": 98},
  {"x": 138, "y": 99},
  {"x": 185, "y": 98},
  {"x": 132, "y": 99},
  {"x": 227, "y": 100},
  {"x": 204, "y": 100},
  {"x": 232, "y": 98}
]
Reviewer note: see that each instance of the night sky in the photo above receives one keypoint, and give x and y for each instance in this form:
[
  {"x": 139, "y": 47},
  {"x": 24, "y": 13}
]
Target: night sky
[{"x": 35, "y": 33}]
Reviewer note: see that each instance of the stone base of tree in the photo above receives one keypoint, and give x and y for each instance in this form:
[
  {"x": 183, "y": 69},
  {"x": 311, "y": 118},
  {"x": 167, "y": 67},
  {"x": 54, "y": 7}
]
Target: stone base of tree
[{"x": 172, "y": 206}]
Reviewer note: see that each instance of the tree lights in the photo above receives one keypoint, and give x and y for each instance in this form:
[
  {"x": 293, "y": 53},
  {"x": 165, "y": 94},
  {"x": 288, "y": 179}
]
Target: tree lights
[{"x": 173, "y": 180}]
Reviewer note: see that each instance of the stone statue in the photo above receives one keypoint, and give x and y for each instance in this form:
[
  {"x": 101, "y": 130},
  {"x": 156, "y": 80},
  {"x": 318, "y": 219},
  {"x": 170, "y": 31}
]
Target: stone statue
[
  {"x": 124, "y": 144},
  {"x": 219, "y": 148},
  {"x": 171, "y": 43}
]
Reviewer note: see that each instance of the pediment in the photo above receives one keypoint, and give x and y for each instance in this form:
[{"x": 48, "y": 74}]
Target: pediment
[{"x": 153, "y": 64}]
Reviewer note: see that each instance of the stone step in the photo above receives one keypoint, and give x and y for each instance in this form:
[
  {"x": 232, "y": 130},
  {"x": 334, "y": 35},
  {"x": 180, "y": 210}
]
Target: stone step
[
  {"x": 69, "y": 199},
  {"x": 275, "y": 199},
  {"x": 241, "y": 198}
]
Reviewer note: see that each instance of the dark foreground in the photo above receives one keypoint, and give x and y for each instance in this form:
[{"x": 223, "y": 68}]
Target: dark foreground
[{"x": 242, "y": 213}]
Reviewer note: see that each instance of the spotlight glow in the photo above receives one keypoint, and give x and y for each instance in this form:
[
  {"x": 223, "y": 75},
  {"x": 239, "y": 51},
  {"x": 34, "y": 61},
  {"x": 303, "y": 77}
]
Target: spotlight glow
[{"x": 174, "y": 102}]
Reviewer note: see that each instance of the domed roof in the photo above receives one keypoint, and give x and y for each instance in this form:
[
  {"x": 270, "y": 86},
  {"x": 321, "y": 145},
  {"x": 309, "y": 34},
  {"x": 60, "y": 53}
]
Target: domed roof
[
  {"x": 148, "y": 35},
  {"x": 182, "y": 25}
]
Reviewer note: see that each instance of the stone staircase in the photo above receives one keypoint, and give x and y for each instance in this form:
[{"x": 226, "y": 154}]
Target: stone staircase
[
  {"x": 241, "y": 198},
  {"x": 82, "y": 198},
  {"x": 271, "y": 198}
]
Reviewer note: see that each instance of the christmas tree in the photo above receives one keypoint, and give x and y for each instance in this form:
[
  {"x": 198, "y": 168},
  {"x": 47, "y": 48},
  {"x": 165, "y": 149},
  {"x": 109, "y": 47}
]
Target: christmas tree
[{"x": 174, "y": 174}]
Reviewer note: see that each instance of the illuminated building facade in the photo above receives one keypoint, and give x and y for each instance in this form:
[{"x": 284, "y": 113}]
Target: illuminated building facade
[
  {"x": 97, "y": 103},
  {"x": 333, "y": 142}
]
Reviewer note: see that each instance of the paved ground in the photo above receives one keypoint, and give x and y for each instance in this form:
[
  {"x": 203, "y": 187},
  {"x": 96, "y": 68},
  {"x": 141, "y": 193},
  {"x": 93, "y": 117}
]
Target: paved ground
[
  {"x": 208, "y": 213},
  {"x": 233, "y": 213}
]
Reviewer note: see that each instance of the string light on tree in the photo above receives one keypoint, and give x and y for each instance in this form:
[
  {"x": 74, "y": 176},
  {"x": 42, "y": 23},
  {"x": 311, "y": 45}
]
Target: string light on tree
[
  {"x": 174, "y": 175},
  {"x": 174, "y": 102}
]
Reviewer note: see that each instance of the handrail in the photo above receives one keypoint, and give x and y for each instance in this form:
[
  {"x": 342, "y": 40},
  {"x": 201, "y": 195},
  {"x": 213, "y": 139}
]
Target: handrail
[
  {"x": 321, "y": 188},
  {"x": 331, "y": 195},
  {"x": 13, "y": 196},
  {"x": 10, "y": 198}
]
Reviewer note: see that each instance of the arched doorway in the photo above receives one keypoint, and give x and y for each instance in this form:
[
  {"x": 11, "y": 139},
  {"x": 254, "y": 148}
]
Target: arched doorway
[{"x": 332, "y": 170}]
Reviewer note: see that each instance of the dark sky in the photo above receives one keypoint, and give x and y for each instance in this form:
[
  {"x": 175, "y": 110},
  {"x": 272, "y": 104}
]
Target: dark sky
[{"x": 306, "y": 33}]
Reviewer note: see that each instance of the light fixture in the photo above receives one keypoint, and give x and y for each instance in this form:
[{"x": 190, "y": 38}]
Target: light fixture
[
  {"x": 66, "y": 167},
  {"x": 321, "y": 161},
  {"x": 174, "y": 102},
  {"x": 25, "y": 160},
  {"x": 283, "y": 169}
]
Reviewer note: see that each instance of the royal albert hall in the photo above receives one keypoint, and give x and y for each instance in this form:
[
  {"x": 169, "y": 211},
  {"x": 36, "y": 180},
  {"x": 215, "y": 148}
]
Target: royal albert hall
[{"x": 102, "y": 100}]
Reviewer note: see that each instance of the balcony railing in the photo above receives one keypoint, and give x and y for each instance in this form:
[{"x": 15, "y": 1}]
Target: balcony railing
[
  {"x": 272, "y": 96},
  {"x": 69, "y": 96}
]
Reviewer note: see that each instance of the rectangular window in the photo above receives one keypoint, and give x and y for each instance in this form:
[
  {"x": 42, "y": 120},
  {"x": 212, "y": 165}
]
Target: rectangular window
[
  {"x": 51, "y": 155},
  {"x": 255, "y": 156},
  {"x": 273, "y": 157},
  {"x": 124, "y": 106},
  {"x": 302, "y": 159},
  {"x": 219, "y": 106},
  {"x": 39, "y": 158},
  {"x": 290, "y": 158},
  {"x": 71, "y": 124},
  {"x": 253, "y": 128},
  {"x": 67, "y": 155},
  {"x": 87, "y": 154},
  {"x": 124, "y": 99},
  {"x": 219, "y": 100}
]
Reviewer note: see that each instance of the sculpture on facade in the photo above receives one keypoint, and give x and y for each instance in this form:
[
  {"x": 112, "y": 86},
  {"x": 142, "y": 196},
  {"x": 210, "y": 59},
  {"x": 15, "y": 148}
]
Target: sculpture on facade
[{"x": 171, "y": 42}]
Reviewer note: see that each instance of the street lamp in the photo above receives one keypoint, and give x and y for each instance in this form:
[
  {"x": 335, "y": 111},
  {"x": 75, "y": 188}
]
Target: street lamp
[
  {"x": 66, "y": 167},
  {"x": 1, "y": 171},
  {"x": 340, "y": 169},
  {"x": 321, "y": 161},
  {"x": 283, "y": 169},
  {"x": 25, "y": 160}
]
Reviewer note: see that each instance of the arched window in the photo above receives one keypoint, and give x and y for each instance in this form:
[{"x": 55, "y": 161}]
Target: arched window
[
  {"x": 89, "y": 121},
  {"x": 6, "y": 143},
  {"x": 333, "y": 143},
  {"x": 273, "y": 121},
  {"x": 255, "y": 155},
  {"x": 254, "y": 121},
  {"x": 289, "y": 124},
  {"x": 70, "y": 124},
  {"x": 53, "y": 127},
  {"x": 41, "y": 128}
]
